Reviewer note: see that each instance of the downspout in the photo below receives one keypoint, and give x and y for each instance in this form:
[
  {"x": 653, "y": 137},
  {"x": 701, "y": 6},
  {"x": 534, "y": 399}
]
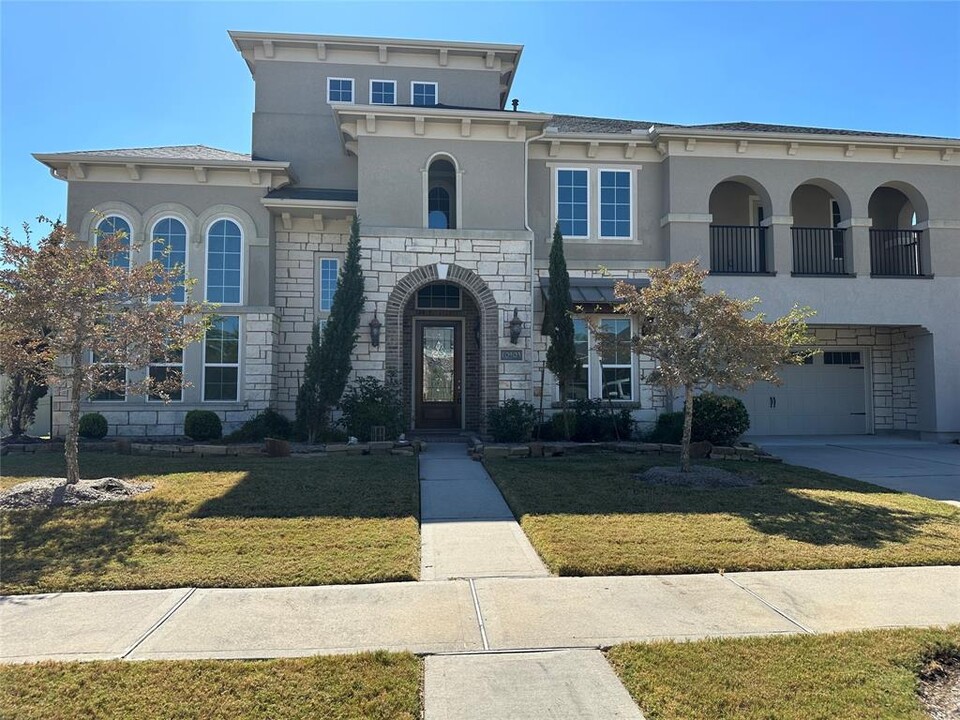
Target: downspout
[{"x": 533, "y": 245}]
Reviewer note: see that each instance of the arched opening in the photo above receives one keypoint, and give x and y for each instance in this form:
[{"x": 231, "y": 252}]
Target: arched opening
[
  {"x": 897, "y": 246},
  {"x": 738, "y": 234},
  {"x": 820, "y": 245},
  {"x": 442, "y": 194}
]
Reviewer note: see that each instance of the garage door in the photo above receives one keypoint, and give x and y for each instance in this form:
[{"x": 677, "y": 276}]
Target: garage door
[{"x": 825, "y": 396}]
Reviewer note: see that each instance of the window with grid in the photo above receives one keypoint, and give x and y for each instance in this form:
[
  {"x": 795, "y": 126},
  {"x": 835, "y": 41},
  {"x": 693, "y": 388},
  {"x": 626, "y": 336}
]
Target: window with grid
[
  {"x": 438, "y": 296},
  {"x": 424, "y": 93},
  {"x": 383, "y": 92},
  {"x": 572, "y": 204},
  {"x": 579, "y": 387},
  {"x": 615, "y": 204},
  {"x": 340, "y": 90},
  {"x": 224, "y": 260},
  {"x": 115, "y": 225},
  {"x": 616, "y": 360},
  {"x": 329, "y": 271},
  {"x": 169, "y": 247},
  {"x": 110, "y": 373},
  {"x": 165, "y": 368},
  {"x": 221, "y": 359},
  {"x": 841, "y": 358}
]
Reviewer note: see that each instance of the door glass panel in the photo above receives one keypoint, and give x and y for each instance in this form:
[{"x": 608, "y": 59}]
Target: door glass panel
[{"x": 438, "y": 367}]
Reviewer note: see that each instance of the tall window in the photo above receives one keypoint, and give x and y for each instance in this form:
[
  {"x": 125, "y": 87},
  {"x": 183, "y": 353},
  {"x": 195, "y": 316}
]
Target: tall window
[
  {"x": 170, "y": 248},
  {"x": 423, "y": 93},
  {"x": 579, "y": 387},
  {"x": 110, "y": 373},
  {"x": 329, "y": 270},
  {"x": 167, "y": 367},
  {"x": 615, "y": 203},
  {"x": 221, "y": 359},
  {"x": 572, "y": 204},
  {"x": 442, "y": 194},
  {"x": 340, "y": 90},
  {"x": 383, "y": 92},
  {"x": 616, "y": 380},
  {"x": 224, "y": 257},
  {"x": 439, "y": 208},
  {"x": 114, "y": 225}
]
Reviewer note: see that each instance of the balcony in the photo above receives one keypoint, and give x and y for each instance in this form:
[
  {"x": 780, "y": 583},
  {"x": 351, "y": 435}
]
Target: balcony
[
  {"x": 895, "y": 253},
  {"x": 738, "y": 250},
  {"x": 819, "y": 251}
]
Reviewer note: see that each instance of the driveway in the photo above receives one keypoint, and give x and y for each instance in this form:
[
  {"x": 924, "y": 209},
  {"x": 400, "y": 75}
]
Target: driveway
[{"x": 923, "y": 468}]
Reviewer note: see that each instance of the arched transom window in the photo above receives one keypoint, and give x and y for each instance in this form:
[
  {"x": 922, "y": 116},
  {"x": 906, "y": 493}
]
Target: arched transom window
[
  {"x": 224, "y": 262},
  {"x": 169, "y": 247},
  {"x": 114, "y": 225}
]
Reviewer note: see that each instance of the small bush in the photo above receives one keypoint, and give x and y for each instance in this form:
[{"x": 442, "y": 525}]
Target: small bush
[
  {"x": 369, "y": 402},
  {"x": 720, "y": 419},
  {"x": 669, "y": 428},
  {"x": 202, "y": 425},
  {"x": 93, "y": 426},
  {"x": 267, "y": 423},
  {"x": 512, "y": 422},
  {"x": 596, "y": 421}
]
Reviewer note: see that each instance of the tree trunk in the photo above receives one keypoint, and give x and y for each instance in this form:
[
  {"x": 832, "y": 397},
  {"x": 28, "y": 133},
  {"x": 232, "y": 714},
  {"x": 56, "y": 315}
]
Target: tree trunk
[
  {"x": 70, "y": 450},
  {"x": 687, "y": 428}
]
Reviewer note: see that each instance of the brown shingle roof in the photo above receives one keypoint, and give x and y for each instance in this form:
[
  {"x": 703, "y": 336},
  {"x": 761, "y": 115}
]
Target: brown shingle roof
[{"x": 168, "y": 152}]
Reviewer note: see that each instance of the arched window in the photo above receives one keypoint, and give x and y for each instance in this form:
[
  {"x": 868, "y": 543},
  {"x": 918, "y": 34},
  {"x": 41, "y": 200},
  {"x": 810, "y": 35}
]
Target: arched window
[
  {"x": 224, "y": 262},
  {"x": 114, "y": 225},
  {"x": 442, "y": 194},
  {"x": 169, "y": 247}
]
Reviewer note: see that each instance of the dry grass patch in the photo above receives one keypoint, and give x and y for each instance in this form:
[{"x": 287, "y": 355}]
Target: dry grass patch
[
  {"x": 851, "y": 676},
  {"x": 347, "y": 687},
  {"x": 218, "y": 522},
  {"x": 587, "y": 515}
]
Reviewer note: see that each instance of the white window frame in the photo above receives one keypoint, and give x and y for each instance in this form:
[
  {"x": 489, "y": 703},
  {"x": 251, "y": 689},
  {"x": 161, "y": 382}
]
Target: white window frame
[
  {"x": 594, "y": 371},
  {"x": 632, "y": 365},
  {"x": 556, "y": 199},
  {"x": 186, "y": 250},
  {"x": 126, "y": 380},
  {"x": 169, "y": 365},
  {"x": 96, "y": 234},
  {"x": 206, "y": 259},
  {"x": 629, "y": 173},
  {"x": 390, "y": 82},
  {"x": 436, "y": 91},
  {"x": 237, "y": 364},
  {"x": 353, "y": 91},
  {"x": 321, "y": 312}
]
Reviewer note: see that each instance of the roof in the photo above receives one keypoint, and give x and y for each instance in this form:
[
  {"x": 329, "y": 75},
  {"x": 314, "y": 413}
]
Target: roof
[
  {"x": 593, "y": 291},
  {"x": 203, "y": 153},
  {"x": 584, "y": 124},
  {"x": 742, "y": 126},
  {"x": 307, "y": 193}
]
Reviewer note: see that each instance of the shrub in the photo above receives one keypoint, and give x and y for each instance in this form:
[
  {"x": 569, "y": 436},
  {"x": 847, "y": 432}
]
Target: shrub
[
  {"x": 669, "y": 428},
  {"x": 512, "y": 422},
  {"x": 202, "y": 425},
  {"x": 369, "y": 402},
  {"x": 720, "y": 419},
  {"x": 595, "y": 421},
  {"x": 93, "y": 426},
  {"x": 266, "y": 423}
]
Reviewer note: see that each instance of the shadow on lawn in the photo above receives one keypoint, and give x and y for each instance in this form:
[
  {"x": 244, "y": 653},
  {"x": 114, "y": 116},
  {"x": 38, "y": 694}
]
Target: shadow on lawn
[{"x": 77, "y": 541}]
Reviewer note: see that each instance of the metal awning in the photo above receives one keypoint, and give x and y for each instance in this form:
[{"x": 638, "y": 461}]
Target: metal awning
[{"x": 593, "y": 294}]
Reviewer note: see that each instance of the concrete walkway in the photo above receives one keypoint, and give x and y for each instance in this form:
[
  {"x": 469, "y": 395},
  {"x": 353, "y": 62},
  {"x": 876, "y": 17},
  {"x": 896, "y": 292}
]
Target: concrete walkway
[{"x": 467, "y": 529}]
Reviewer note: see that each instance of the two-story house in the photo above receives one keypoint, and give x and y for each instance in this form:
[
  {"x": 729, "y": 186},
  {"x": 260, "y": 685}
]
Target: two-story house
[{"x": 458, "y": 195}]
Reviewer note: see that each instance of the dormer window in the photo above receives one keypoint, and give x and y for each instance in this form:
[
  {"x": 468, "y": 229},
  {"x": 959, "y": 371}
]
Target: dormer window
[
  {"x": 383, "y": 92},
  {"x": 423, "y": 93},
  {"x": 340, "y": 90}
]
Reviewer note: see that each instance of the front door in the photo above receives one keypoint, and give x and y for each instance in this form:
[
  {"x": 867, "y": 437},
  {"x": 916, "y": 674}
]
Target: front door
[{"x": 438, "y": 375}]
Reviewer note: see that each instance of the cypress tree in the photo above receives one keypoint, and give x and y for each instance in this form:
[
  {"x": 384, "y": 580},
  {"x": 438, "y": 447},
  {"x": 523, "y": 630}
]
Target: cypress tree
[
  {"x": 328, "y": 363},
  {"x": 562, "y": 358}
]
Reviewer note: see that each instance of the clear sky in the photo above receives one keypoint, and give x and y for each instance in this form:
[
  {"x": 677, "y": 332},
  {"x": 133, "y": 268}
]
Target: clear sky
[{"x": 86, "y": 75}]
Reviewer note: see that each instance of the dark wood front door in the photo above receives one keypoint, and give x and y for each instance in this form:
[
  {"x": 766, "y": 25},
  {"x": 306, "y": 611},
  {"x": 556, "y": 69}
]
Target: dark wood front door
[{"x": 438, "y": 374}]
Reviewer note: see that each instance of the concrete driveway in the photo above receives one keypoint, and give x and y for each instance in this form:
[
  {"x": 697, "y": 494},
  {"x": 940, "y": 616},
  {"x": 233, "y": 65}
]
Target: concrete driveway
[{"x": 923, "y": 468}]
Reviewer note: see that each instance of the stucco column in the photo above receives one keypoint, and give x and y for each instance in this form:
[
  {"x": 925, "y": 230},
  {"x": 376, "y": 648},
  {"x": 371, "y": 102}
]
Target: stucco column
[
  {"x": 779, "y": 243},
  {"x": 688, "y": 237},
  {"x": 938, "y": 245},
  {"x": 857, "y": 244}
]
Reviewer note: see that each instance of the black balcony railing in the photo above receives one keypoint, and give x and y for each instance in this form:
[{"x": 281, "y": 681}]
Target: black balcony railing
[
  {"x": 819, "y": 251},
  {"x": 738, "y": 249},
  {"x": 895, "y": 253}
]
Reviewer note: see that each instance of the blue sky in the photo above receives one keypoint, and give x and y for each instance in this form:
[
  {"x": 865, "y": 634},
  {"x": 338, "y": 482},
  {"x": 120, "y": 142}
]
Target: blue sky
[{"x": 84, "y": 75}]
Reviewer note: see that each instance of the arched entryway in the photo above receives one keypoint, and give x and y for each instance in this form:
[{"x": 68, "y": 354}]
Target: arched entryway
[{"x": 441, "y": 342}]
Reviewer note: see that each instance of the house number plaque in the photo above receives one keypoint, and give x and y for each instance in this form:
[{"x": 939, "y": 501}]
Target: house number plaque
[{"x": 511, "y": 356}]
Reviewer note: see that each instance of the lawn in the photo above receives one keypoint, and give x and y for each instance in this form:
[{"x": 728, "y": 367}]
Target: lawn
[
  {"x": 218, "y": 522},
  {"x": 372, "y": 685},
  {"x": 853, "y": 676},
  {"x": 586, "y": 515}
]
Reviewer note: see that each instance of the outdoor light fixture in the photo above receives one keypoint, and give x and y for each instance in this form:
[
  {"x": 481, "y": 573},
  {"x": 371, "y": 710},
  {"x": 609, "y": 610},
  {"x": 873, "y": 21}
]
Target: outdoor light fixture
[
  {"x": 375, "y": 330},
  {"x": 516, "y": 325}
]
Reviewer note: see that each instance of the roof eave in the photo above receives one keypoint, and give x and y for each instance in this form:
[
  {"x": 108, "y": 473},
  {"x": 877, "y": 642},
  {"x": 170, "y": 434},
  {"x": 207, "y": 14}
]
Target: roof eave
[{"x": 820, "y": 137}]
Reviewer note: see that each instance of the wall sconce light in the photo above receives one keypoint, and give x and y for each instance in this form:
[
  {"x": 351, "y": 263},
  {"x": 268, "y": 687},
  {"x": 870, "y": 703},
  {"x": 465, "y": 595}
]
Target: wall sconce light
[
  {"x": 516, "y": 325},
  {"x": 375, "y": 330}
]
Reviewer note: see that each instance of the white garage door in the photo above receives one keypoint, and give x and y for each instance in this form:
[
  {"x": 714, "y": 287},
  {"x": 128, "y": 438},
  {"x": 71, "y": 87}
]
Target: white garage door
[{"x": 825, "y": 396}]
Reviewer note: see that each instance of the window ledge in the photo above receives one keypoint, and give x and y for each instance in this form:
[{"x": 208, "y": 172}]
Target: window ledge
[
  {"x": 823, "y": 275},
  {"x": 744, "y": 274},
  {"x": 617, "y": 404},
  {"x": 902, "y": 277}
]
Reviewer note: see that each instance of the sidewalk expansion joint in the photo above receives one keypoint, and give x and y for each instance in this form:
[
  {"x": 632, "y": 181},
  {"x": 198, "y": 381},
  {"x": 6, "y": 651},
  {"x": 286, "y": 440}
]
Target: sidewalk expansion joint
[
  {"x": 773, "y": 607},
  {"x": 512, "y": 651},
  {"x": 156, "y": 626},
  {"x": 476, "y": 608}
]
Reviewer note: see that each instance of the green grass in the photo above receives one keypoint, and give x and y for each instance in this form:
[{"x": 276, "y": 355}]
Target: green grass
[
  {"x": 346, "y": 687},
  {"x": 587, "y": 515},
  {"x": 218, "y": 522},
  {"x": 851, "y": 676}
]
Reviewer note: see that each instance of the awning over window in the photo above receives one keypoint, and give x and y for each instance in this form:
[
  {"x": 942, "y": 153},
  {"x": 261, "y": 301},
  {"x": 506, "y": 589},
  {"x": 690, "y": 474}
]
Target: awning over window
[{"x": 592, "y": 294}]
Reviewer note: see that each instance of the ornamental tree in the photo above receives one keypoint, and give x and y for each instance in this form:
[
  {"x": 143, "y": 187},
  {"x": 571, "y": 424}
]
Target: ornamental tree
[
  {"x": 328, "y": 364},
  {"x": 562, "y": 358},
  {"x": 78, "y": 314},
  {"x": 702, "y": 339}
]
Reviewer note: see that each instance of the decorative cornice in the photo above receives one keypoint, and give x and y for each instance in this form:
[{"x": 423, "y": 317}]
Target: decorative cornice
[{"x": 686, "y": 218}]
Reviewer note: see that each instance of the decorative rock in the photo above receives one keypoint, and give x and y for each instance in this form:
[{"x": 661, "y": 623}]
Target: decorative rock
[
  {"x": 627, "y": 447},
  {"x": 536, "y": 449},
  {"x": 492, "y": 451},
  {"x": 204, "y": 450},
  {"x": 276, "y": 447},
  {"x": 403, "y": 451},
  {"x": 336, "y": 448},
  {"x": 664, "y": 447},
  {"x": 701, "y": 449},
  {"x": 380, "y": 447},
  {"x": 649, "y": 448},
  {"x": 553, "y": 449},
  {"x": 520, "y": 451}
]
